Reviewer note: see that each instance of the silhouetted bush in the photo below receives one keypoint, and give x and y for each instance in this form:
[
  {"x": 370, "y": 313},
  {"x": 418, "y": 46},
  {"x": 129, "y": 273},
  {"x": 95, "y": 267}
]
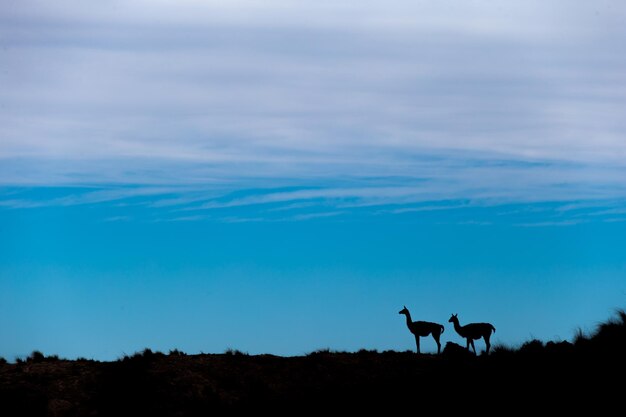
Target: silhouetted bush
[
  {"x": 144, "y": 357},
  {"x": 532, "y": 347},
  {"x": 235, "y": 352},
  {"x": 176, "y": 352},
  {"x": 145, "y": 354},
  {"x": 36, "y": 357},
  {"x": 325, "y": 351},
  {"x": 559, "y": 348},
  {"x": 2, "y": 361}
]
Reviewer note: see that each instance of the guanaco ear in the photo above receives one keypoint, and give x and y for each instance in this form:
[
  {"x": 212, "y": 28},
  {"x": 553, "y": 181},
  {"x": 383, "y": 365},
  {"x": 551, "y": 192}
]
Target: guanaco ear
[{"x": 404, "y": 306}]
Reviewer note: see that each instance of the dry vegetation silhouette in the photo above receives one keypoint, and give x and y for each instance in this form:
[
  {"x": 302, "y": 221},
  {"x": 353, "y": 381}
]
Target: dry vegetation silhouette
[{"x": 537, "y": 377}]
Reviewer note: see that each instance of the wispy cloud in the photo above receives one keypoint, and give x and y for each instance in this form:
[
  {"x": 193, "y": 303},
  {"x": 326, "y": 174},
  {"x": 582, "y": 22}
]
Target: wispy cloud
[
  {"x": 108, "y": 195},
  {"x": 615, "y": 220},
  {"x": 117, "y": 219},
  {"x": 295, "y": 206},
  {"x": 608, "y": 212},
  {"x": 310, "y": 216},
  {"x": 560, "y": 223},
  {"x": 235, "y": 219},
  {"x": 137, "y": 204},
  {"x": 294, "y": 218},
  {"x": 18, "y": 204},
  {"x": 365, "y": 195},
  {"x": 587, "y": 205},
  {"x": 425, "y": 208},
  {"x": 188, "y": 218},
  {"x": 475, "y": 223},
  {"x": 76, "y": 198}
]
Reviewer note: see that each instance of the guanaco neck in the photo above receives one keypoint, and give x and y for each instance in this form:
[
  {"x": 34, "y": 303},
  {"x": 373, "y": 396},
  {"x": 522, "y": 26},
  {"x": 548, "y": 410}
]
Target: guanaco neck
[
  {"x": 408, "y": 319},
  {"x": 457, "y": 326}
]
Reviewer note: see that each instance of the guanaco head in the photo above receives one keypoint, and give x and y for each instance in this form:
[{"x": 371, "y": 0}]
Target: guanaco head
[
  {"x": 404, "y": 311},
  {"x": 454, "y": 318}
]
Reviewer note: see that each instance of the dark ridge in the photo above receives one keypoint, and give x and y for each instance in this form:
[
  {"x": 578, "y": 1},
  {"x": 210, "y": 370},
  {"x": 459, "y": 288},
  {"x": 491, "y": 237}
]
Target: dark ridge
[{"x": 537, "y": 377}]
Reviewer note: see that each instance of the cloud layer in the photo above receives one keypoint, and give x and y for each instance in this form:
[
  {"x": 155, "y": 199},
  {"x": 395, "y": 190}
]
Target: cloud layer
[{"x": 508, "y": 100}]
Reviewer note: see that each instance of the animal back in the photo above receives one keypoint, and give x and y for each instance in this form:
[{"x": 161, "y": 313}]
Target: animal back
[
  {"x": 477, "y": 330},
  {"x": 424, "y": 328}
]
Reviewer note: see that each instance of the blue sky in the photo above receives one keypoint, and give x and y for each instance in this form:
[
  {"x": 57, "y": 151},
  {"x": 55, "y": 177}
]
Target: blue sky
[{"x": 283, "y": 176}]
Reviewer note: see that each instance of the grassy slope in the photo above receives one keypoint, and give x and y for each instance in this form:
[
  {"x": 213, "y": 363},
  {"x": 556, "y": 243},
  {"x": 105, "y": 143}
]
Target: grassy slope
[{"x": 561, "y": 377}]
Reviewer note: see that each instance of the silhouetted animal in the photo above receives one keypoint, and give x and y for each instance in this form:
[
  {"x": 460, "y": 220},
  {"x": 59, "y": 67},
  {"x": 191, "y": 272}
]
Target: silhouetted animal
[
  {"x": 473, "y": 331},
  {"x": 422, "y": 328}
]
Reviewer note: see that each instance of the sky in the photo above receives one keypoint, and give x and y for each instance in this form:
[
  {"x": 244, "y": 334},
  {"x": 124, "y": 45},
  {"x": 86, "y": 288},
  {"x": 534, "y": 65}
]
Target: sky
[{"x": 283, "y": 176}]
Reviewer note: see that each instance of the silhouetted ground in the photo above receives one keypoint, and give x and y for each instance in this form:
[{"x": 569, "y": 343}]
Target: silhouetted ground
[{"x": 587, "y": 375}]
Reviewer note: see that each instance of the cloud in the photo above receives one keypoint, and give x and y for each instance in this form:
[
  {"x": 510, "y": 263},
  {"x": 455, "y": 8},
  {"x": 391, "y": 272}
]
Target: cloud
[
  {"x": 560, "y": 223},
  {"x": 294, "y": 218},
  {"x": 611, "y": 211},
  {"x": 587, "y": 205},
  {"x": 310, "y": 216},
  {"x": 400, "y": 15},
  {"x": 294, "y": 206},
  {"x": 383, "y": 195},
  {"x": 138, "y": 204},
  {"x": 188, "y": 218},
  {"x": 117, "y": 219},
  {"x": 19, "y": 204},
  {"x": 439, "y": 99},
  {"x": 475, "y": 223},
  {"x": 108, "y": 195},
  {"x": 426, "y": 208},
  {"x": 615, "y": 220},
  {"x": 77, "y": 197}
]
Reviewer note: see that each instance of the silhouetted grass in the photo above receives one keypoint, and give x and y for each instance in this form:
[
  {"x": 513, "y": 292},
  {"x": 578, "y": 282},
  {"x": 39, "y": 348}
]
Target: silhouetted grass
[
  {"x": 321, "y": 351},
  {"x": 326, "y": 351},
  {"x": 580, "y": 337},
  {"x": 501, "y": 349},
  {"x": 611, "y": 333},
  {"x": 83, "y": 359},
  {"x": 367, "y": 352}
]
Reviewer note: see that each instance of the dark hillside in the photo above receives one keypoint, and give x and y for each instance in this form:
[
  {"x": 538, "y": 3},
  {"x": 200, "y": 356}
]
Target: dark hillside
[{"x": 557, "y": 377}]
